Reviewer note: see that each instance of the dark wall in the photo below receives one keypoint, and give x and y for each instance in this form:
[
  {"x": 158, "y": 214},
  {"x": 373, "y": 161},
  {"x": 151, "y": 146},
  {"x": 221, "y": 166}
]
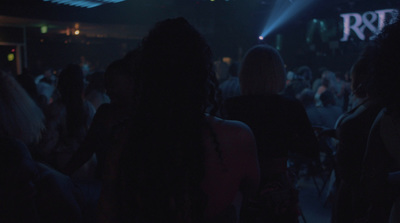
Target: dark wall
[{"x": 58, "y": 51}]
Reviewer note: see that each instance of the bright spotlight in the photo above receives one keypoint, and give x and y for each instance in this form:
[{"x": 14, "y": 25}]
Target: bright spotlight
[
  {"x": 282, "y": 12},
  {"x": 261, "y": 38}
]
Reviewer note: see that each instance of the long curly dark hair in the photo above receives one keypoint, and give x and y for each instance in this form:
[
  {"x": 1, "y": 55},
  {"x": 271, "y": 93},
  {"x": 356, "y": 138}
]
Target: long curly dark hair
[
  {"x": 71, "y": 87},
  {"x": 163, "y": 167},
  {"x": 385, "y": 65}
]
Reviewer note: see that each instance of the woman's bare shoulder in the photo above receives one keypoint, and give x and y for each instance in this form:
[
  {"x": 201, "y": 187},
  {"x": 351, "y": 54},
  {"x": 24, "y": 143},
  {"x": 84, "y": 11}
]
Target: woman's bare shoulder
[{"x": 234, "y": 131}]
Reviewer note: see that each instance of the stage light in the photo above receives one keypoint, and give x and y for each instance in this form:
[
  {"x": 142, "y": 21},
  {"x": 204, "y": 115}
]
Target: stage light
[
  {"x": 84, "y": 3},
  {"x": 283, "y": 12},
  {"x": 261, "y": 38},
  {"x": 227, "y": 60},
  {"x": 77, "y": 32}
]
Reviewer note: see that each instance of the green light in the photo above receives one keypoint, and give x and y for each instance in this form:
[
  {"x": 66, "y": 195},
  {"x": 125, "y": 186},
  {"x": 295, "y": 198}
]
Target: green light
[
  {"x": 279, "y": 42},
  {"x": 43, "y": 29},
  {"x": 10, "y": 57}
]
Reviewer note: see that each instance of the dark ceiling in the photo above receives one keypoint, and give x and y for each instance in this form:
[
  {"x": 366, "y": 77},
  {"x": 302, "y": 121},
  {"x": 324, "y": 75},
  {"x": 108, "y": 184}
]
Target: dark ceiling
[
  {"x": 150, "y": 11},
  {"x": 225, "y": 14},
  {"x": 221, "y": 20},
  {"x": 229, "y": 17}
]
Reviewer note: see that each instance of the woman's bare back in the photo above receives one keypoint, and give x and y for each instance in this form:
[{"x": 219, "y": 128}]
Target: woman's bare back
[{"x": 232, "y": 172}]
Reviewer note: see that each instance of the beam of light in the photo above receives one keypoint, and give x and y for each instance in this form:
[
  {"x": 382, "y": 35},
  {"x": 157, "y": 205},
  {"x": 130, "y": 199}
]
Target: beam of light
[{"x": 282, "y": 12}]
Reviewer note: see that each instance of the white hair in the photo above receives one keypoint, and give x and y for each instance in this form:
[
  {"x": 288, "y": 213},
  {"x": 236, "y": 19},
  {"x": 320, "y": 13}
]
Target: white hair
[{"x": 20, "y": 117}]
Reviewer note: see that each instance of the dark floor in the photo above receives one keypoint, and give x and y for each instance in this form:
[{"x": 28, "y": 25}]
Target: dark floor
[{"x": 316, "y": 208}]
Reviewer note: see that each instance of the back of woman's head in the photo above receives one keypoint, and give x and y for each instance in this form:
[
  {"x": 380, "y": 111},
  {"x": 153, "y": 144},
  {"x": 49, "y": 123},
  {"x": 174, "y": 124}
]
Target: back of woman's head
[
  {"x": 164, "y": 167},
  {"x": 20, "y": 117},
  {"x": 262, "y": 71},
  {"x": 176, "y": 63}
]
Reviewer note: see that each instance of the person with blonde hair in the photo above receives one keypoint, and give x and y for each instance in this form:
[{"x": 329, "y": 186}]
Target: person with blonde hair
[
  {"x": 279, "y": 125},
  {"x": 29, "y": 191},
  {"x": 262, "y": 71},
  {"x": 20, "y": 117},
  {"x": 21, "y": 123}
]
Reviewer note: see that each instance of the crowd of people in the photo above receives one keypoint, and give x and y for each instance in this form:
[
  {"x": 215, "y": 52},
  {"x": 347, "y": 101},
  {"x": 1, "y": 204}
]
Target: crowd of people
[{"x": 157, "y": 137}]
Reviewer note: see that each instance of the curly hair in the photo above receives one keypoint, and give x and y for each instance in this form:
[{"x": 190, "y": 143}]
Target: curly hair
[
  {"x": 71, "y": 88},
  {"x": 163, "y": 167},
  {"x": 362, "y": 73},
  {"x": 385, "y": 66}
]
